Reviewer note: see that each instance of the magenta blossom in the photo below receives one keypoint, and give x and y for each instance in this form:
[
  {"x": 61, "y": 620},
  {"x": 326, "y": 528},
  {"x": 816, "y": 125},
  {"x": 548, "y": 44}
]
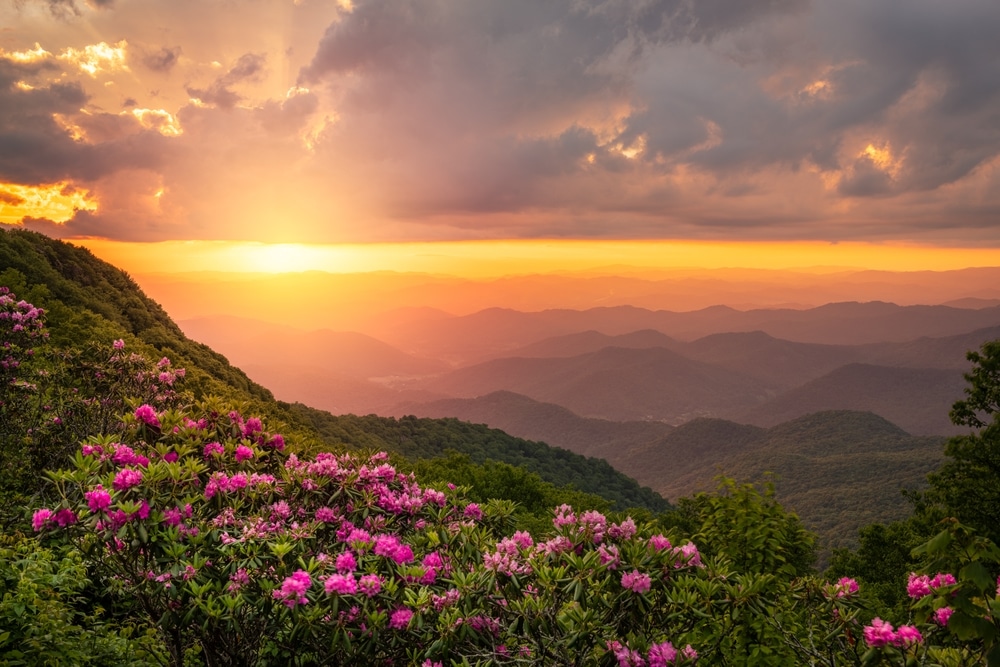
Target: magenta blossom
[
  {"x": 845, "y": 587},
  {"x": 64, "y": 517},
  {"x": 40, "y": 518},
  {"x": 400, "y": 619},
  {"x": 341, "y": 584},
  {"x": 243, "y": 453},
  {"x": 293, "y": 589},
  {"x": 942, "y": 615},
  {"x": 127, "y": 478},
  {"x": 147, "y": 415},
  {"x": 636, "y": 581},
  {"x": 346, "y": 563},
  {"x": 98, "y": 499},
  {"x": 212, "y": 449},
  {"x": 370, "y": 584},
  {"x": 879, "y": 633},
  {"x": 661, "y": 655},
  {"x": 907, "y": 635}
]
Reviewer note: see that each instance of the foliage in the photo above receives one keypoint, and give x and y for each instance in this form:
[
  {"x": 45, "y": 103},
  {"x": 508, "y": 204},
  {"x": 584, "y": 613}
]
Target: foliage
[
  {"x": 417, "y": 438},
  {"x": 251, "y": 556},
  {"x": 494, "y": 480},
  {"x": 40, "y": 620}
]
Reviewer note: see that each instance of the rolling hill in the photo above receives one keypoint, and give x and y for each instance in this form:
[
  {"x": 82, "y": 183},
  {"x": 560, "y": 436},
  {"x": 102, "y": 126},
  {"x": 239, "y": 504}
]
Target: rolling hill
[
  {"x": 533, "y": 420},
  {"x": 838, "y": 470},
  {"x": 619, "y": 384},
  {"x": 916, "y": 399}
]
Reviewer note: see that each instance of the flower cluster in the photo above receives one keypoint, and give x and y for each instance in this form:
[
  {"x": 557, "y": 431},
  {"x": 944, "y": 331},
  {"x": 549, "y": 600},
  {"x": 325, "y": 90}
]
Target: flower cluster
[
  {"x": 880, "y": 633},
  {"x": 920, "y": 585}
]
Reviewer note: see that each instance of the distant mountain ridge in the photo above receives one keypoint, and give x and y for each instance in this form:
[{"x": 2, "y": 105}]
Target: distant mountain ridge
[{"x": 917, "y": 399}]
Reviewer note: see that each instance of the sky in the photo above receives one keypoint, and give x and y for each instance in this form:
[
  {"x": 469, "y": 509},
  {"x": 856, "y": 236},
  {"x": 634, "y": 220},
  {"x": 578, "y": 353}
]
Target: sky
[{"x": 838, "y": 123}]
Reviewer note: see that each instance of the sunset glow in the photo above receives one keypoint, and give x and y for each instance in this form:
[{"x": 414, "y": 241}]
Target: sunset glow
[
  {"x": 58, "y": 202},
  {"x": 369, "y": 135},
  {"x": 497, "y": 258}
]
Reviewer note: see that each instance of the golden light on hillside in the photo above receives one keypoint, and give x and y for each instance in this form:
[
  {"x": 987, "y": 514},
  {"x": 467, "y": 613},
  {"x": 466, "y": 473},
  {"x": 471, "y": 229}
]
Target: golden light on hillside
[{"x": 57, "y": 202}]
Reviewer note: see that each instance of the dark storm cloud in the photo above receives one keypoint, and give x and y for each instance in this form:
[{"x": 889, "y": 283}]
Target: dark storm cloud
[
  {"x": 34, "y": 148},
  {"x": 162, "y": 60},
  {"x": 484, "y": 106},
  {"x": 67, "y": 8},
  {"x": 248, "y": 67}
]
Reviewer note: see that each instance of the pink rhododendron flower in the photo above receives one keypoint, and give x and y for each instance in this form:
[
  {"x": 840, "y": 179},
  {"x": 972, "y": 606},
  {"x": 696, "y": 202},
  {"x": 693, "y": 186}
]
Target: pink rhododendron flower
[
  {"x": 608, "y": 553},
  {"x": 64, "y": 517},
  {"x": 907, "y": 635},
  {"x": 213, "y": 449},
  {"x": 238, "y": 580},
  {"x": 370, "y": 584},
  {"x": 40, "y": 518},
  {"x": 243, "y": 453},
  {"x": 252, "y": 426},
  {"x": 879, "y": 633},
  {"x": 293, "y": 589},
  {"x": 403, "y": 554},
  {"x": 326, "y": 515},
  {"x": 918, "y": 585},
  {"x": 127, "y": 478},
  {"x": 636, "y": 581},
  {"x": 564, "y": 516},
  {"x": 98, "y": 499},
  {"x": 523, "y": 539},
  {"x": 659, "y": 543},
  {"x": 472, "y": 511},
  {"x": 341, "y": 584},
  {"x": 622, "y": 531},
  {"x": 942, "y": 579},
  {"x": 594, "y": 523},
  {"x": 661, "y": 655},
  {"x": 400, "y": 618},
  {"x": 147, "y": 415},
  {"x": 625, "y": 656},
  {"x": 845, "y": 587},
  {"x": 119, "y": 344},
  {"x": 688, "y": 554},
  {"x": 346, "y": 563},
  {"x": 689, "y": 653},
  {"x": 170, "y": 457},
  {"x": 942, "y": 615}
]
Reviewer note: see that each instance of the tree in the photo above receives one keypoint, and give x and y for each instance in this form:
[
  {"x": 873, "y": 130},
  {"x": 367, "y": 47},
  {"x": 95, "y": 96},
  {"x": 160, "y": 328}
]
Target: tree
[{"x": 967, "y": 486}]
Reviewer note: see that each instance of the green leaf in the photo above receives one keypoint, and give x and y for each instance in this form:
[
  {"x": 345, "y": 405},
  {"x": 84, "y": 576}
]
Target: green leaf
[{"x": 977, "y": 573}]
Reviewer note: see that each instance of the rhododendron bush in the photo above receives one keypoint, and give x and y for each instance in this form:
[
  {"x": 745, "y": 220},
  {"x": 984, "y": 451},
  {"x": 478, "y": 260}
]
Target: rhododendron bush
[
  {"x": 230, "y": 545},
  {"x": 243, "y": 553}
]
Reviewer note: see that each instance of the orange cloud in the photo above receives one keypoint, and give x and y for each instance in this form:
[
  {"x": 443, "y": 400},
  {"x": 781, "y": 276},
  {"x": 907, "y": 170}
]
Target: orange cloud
[{"x": 57, "y": 202}]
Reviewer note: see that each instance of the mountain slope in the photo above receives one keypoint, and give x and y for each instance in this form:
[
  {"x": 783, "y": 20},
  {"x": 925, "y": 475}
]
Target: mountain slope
[
  {"x": 917, "y": 399},
  {"x": 346, "y": 352},
  {"x": 614, "y": 383},
  {"x": 839, "y": 470},
  {"x": 527, "y": 418}
]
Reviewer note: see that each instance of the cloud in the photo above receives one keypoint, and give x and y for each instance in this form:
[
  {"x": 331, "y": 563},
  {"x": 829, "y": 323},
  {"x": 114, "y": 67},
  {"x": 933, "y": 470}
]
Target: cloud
[
  {"x": 248, "y": 67},
  {"x": 408, "y": 119},
  {"x": 162, "y": 60}
]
